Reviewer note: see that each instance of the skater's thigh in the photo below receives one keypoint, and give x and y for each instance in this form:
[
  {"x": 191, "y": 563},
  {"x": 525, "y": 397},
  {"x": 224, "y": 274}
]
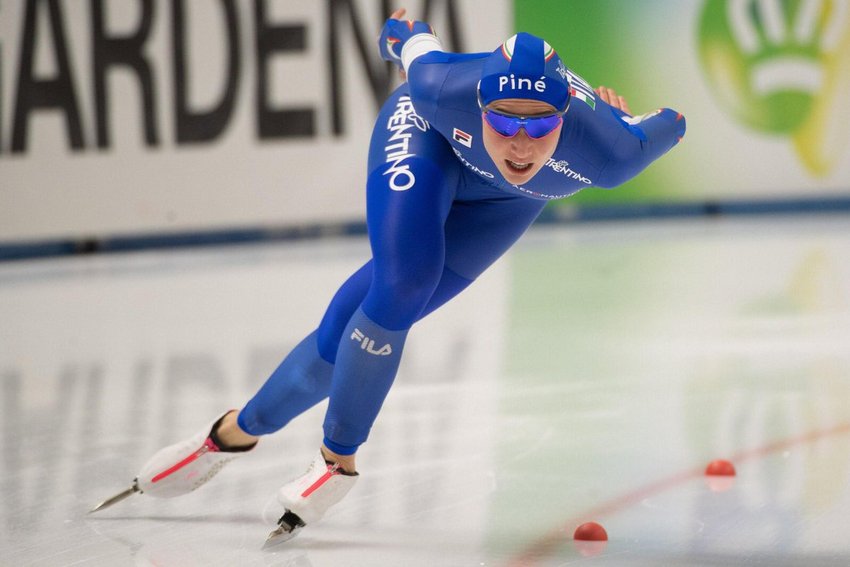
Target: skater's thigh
[
  {"x": 479, "y": 231},
  {"x": 410, "y": 189}
]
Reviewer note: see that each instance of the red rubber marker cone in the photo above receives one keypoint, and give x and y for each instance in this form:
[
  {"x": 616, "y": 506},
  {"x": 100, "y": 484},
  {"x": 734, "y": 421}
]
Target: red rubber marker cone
[
  {"x": 720, "y": 468},
  {"x": 720, "y": 475},
  {"x": 590, "y": 531}
]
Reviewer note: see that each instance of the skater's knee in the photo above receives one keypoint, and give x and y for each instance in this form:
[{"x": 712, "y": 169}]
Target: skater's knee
[{"x": 396, "y": 302}]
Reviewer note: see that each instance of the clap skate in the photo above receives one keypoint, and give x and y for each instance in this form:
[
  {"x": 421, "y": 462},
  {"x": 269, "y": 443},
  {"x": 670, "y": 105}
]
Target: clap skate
[
  {"x": 306, "y": 499},
  {"x": 180, "y": 468}
]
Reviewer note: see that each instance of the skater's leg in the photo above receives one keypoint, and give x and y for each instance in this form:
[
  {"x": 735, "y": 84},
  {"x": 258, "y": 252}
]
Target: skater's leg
[
  {"x": 476, "y": 236},
  {"x": 412, "y": 181},
  {"x": 479, "y": 234},
  {"x": 411, "y": 276},
  {"x": 297, "y": 384},
  {"x": 303, "y": 378},
  {"x": 339, "y": 312},
  {"x": 476, "y": 233},
  {"x": 406, "y": 234},
  {"x": 406, "y": 214}
]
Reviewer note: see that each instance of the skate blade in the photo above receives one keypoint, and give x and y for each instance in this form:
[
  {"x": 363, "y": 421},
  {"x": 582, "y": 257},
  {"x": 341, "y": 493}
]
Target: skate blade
[
  {"x": 279, "y": 536},
  {"x": 117, "y": 498},
  {"x": 288, "y": 527}
]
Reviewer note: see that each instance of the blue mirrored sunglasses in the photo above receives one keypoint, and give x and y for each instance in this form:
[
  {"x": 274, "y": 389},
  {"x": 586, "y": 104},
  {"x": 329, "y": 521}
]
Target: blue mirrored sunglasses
[{"x": 508, "y": 125}]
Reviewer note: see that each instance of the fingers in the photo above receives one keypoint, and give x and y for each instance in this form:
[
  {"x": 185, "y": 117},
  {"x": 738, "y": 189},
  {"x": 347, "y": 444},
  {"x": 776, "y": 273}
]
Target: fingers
[
  {"x": 611, "y": 97},
  {"x": 397, "y": 15},
  {"x": 607, "y": 94}
]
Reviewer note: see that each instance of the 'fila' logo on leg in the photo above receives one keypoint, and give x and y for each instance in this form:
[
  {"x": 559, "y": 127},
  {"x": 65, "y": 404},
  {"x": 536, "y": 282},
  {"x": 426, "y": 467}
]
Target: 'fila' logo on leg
[{"x": 368, "y": 344}]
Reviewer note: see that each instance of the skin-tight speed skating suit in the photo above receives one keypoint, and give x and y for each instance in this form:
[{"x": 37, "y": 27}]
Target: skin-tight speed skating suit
[{"x": 438, "y": 213}]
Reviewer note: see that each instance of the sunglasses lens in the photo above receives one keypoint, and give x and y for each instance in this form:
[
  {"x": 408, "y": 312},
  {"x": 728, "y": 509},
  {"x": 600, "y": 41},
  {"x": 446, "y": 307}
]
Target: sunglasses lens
[
  {"x": 507, "y": 126},
  {"x": 542, "y": 126}
]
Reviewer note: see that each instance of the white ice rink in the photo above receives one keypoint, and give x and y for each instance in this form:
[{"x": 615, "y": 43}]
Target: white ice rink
[{"x": 590, "y": 375}]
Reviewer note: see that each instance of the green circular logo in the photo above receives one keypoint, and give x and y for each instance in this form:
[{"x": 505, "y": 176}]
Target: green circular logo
[{"x": 766, "y": 59}]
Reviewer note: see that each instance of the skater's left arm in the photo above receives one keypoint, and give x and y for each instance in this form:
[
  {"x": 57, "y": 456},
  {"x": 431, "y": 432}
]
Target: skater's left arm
[{"x": 642, "y": 139}]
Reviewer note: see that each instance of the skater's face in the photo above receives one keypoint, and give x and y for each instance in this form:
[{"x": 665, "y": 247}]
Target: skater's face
[{"x": 519, "y": 157}]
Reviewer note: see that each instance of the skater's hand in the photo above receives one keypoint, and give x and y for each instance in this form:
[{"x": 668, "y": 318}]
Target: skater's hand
[
  {"x": 397, "y": 15},
  {"x": 395, "y": 34},
  {"x": 611, "y": 97}
]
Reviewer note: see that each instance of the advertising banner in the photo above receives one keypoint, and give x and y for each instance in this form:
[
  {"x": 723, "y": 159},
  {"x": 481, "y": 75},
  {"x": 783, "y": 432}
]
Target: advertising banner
[
  {"x": 763, "y": 84},
  {"x": 162, "y": 116}
]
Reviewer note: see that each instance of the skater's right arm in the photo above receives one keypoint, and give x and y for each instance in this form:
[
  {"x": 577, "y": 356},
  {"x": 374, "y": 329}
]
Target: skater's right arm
[
  {"x": 418, "y": 52},
  {"x": 403, "y": 41}
]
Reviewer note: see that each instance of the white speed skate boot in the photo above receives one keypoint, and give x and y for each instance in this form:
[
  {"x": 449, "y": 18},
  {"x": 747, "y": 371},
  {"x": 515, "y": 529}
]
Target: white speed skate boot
[
  {"x": 182, "y": 467},
  {"x": 305, "y": 500}
]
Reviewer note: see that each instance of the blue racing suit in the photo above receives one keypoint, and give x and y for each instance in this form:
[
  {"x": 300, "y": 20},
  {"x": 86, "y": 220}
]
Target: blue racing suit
[{"x": 438, "y": 213}]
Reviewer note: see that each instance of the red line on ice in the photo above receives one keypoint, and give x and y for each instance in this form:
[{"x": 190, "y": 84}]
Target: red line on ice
[{"x": 551, "y": 541}]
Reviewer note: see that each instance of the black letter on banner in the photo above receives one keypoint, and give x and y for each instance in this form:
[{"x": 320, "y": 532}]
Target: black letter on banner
[
  {"x": 378, "y": 73},
  {"x": 292, "y": 122},
  {"x": 195, "y": 126},
  {"x": 57, "y": 92},
  {"x": 126, "y": 51}
]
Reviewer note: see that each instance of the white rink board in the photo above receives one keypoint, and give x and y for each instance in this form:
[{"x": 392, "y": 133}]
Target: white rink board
[{"x": 60, "y": 177}]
